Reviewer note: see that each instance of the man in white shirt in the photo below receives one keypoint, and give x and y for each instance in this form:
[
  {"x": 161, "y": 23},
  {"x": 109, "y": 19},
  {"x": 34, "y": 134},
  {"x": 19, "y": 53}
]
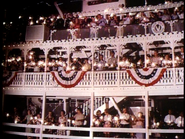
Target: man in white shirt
[
  {"x": 124, "y": 119},
  {"x": 179, "y": 121},
  {"x": 169, "y": 119},
  {"x": 124, "y": 122},
  {"x": 79, "y": 118},
  {"x": 78, "y": 122}
]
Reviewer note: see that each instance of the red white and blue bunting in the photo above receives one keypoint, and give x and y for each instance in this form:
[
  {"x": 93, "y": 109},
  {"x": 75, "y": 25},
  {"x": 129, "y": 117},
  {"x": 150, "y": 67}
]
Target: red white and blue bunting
[
  {"x": 146, "y": 76},
  {"x": 8, "y": 77},
  {"x": 68, "y": 79}
]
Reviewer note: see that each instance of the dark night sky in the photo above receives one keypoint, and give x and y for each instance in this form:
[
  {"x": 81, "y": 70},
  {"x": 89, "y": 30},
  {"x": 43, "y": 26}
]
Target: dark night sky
[
  {"x": 38, "y": 7},
  {"x": 14, "y": 8}
]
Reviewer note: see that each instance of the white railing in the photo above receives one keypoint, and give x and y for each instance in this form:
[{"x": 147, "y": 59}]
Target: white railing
[
  {"x": 172, "y": 76},
  {"x": 91, "y": 130}
]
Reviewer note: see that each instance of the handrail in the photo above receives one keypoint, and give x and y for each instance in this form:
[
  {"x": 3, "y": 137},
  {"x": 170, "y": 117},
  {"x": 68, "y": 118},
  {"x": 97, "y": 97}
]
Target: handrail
[
  {"x": 96, "y": 129},
  {"x": 22, "y": 133}
]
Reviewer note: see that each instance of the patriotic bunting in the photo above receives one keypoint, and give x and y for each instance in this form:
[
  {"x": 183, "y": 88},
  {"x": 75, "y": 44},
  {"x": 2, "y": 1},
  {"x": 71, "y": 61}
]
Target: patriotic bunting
[
  {"x": 68, "y": 79},
  {"x": 8, "y": 77},
  {"x": 146, "y": 76}
]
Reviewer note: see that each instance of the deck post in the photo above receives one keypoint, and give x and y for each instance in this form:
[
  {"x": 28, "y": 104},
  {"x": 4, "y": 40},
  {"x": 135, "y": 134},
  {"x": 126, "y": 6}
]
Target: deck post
[
  {"x": 91, "y": 114},
  {"x": 118, "y": 60},
  {"x": 146, "y": 116},
  {"x": 43, "y": 113},
  {"x": 172, "y": 45}
]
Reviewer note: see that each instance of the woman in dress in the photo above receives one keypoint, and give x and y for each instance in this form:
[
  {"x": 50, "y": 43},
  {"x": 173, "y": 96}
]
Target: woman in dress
[
  {"x": 28, "y": 118},
  {"x": 62, "y": 122}
]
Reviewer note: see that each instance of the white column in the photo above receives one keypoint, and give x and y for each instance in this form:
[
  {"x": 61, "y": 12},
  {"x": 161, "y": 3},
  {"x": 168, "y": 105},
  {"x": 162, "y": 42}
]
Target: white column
[
  {"x": 25, "y": 51},
  {"x": 45, "y": 67},
  {"x": 46, "y": 56},
  {"x": 68, "y": 54},
  {"x": 92, "y": 70},
  {"x": 64, "y": 106},
  {"x": 43, "y": 113},
  {"x": 144, "y": 46},
  {"x": 92, "y": 93},
  {"x": 118, "y": 73},
  {"x": 76, "y": 104},
  {"x": 172, "y": 45},
  {"x": 92, "y": 114},
  {"x": 173, "y": 53},
  {"x": 146, "y": 115}
]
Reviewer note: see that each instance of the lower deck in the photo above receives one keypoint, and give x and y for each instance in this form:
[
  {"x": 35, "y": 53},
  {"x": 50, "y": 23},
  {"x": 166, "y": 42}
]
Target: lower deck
[{"x": 97, "y": 90}]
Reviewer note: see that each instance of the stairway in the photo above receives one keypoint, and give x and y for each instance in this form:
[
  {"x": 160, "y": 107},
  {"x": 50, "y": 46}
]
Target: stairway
[{"x": 101, "y": 103}]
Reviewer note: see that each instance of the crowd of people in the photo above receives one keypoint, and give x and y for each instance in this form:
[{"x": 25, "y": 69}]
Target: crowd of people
[
  {"x": 101, "y": 119},
  {"x": 105, "y": 24},
  {"x": 99, "y": 63},
  {"x": 87, "y": 26}
]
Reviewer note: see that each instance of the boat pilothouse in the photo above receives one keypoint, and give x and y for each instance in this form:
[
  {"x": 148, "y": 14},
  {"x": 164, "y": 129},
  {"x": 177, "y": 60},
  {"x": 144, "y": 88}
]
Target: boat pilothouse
[{"x": 116, "y": 72}]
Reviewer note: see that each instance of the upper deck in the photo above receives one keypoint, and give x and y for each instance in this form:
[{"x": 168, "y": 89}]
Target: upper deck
[{"x": 127, "y": 40}]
